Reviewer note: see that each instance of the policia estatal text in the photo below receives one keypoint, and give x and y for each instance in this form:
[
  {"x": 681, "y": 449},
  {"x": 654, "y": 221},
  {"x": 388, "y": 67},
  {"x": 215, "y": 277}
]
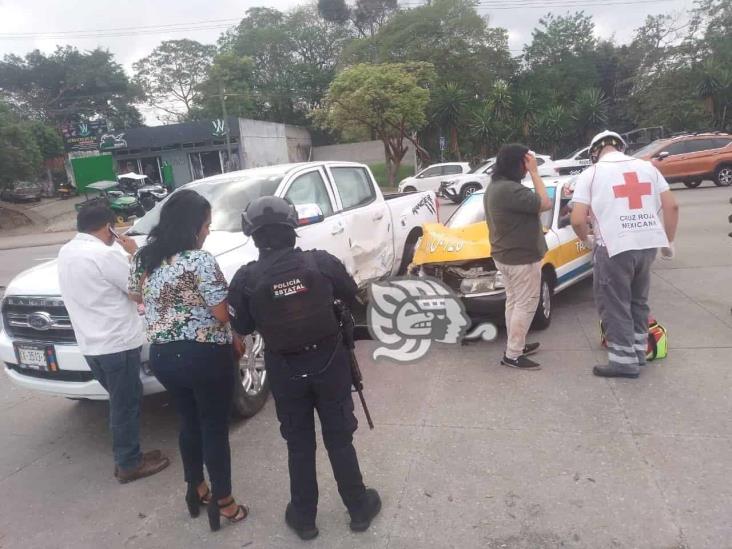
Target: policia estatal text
[{"x": 288, "y": 297}]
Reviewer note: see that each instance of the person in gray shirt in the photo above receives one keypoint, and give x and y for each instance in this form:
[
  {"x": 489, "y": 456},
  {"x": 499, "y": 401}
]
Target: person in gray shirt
[{"x": 517, "y": 244}]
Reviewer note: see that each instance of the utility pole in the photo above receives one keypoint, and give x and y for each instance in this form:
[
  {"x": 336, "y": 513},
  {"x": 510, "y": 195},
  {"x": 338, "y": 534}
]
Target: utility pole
[{"x": 226, "y": 125}]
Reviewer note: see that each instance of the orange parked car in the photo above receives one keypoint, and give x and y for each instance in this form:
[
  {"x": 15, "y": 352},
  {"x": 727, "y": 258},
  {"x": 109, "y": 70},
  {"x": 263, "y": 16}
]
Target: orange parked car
[{"x": 690, "y": 159}]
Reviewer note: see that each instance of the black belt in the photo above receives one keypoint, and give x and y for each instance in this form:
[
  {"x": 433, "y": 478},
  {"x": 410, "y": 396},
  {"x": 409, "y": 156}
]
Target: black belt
[{"x": 327, "y": 343}]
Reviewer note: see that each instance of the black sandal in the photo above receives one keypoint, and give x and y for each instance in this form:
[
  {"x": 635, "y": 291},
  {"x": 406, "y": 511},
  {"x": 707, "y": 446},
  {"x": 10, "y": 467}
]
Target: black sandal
[
  {"x": 194, "y": 500},
  {"x": 215, "y": 514}
]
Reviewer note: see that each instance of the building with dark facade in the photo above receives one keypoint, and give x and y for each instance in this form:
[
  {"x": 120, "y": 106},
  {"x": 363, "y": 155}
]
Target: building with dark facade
[{"x": 192, "y": 150}]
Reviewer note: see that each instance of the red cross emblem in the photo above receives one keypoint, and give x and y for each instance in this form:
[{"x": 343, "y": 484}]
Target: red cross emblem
[{"x": 633, "y": 190}]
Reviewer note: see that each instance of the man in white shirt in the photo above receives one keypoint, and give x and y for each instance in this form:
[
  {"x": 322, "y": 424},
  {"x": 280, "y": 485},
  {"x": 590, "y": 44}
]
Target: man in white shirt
[
  {"x": 622, "y": 196},
  {"x": 93, "y": 279}
]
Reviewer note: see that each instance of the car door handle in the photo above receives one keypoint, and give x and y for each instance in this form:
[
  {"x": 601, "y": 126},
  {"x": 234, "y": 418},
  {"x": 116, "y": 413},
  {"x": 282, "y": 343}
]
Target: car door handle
[
  {"x": 337, "y": 230},
  {"x": 378, "y": 216}
]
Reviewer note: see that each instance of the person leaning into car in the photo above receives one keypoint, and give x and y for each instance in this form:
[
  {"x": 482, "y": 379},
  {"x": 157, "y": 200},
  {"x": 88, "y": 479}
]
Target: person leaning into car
[
  {"x": 517, "y": 244},
  {"x": 93, "y": 281}
]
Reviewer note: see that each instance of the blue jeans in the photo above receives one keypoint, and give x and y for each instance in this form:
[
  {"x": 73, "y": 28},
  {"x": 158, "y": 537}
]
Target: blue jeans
[
  {"x": 119, "y": 374},
  {"x": 200, "y": 378}
]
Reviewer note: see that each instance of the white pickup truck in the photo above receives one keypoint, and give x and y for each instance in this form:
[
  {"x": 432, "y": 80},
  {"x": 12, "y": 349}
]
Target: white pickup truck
[{"x": 374, "y": 235}]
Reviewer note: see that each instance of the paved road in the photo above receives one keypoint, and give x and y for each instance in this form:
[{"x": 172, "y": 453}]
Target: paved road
[
  {"x": 465, "y": 453},
  {"x": 13, "y": 262}
]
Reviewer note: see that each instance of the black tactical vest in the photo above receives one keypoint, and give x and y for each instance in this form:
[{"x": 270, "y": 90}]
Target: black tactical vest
[{"x": 291, "y": 301}]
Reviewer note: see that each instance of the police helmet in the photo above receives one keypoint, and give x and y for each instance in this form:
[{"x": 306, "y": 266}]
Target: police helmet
[
  {"x": 267, "y": 210},
  {"x": 603, "y": 139}
]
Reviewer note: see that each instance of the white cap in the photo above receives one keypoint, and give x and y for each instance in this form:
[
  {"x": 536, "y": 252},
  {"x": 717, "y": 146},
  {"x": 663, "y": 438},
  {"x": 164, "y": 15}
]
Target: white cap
[{"x": 603, "y": 135}]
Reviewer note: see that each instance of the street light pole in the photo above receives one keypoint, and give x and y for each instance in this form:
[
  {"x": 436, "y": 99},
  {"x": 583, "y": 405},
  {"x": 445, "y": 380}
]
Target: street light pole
[{"x": 226, "y": 125}]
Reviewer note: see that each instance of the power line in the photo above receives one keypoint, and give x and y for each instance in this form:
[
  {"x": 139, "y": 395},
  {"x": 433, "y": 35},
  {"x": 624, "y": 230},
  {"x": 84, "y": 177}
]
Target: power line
[
  {"x": 217, "y": 24},
  {"x": 136, "y": 27}
]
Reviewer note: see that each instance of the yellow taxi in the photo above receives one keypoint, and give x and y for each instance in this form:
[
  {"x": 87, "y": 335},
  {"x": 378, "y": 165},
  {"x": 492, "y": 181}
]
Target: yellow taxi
[{"x": 459, "y": 254}]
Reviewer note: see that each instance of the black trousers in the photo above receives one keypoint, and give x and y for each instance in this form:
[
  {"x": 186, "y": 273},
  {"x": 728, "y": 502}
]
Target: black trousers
[
  {"x": 328, "y": 392},
  {"x": 200, "y": 378}
]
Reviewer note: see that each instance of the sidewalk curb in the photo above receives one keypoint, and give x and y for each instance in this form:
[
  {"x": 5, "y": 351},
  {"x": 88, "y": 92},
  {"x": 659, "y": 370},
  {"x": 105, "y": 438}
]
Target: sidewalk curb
[{"x": 36, "y": 240}]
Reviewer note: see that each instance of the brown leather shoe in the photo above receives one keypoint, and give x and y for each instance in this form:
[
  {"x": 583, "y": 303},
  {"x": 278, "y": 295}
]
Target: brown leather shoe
[
  {"x": 151, "y": 463},
  {"x": 150, "y": 454}
]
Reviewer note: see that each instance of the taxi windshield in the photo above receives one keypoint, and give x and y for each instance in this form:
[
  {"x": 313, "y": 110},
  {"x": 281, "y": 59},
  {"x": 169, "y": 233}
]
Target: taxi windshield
[{"x": 471, "y": 211}]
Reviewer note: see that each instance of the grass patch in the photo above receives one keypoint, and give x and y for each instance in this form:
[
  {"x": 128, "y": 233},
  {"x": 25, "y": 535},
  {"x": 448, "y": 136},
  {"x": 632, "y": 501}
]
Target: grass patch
[{"x": 379, "y": 171}]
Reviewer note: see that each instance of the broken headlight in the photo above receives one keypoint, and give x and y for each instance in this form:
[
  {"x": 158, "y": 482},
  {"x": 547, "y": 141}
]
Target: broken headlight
[{"x": 481, "y": 282}]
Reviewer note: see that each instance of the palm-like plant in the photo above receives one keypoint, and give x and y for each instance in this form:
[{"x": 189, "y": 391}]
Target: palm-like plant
[
  {"x": 500, "y": 100},
  {"x": 590, "y": 111},
  {"x": 524, "y": 112},
  {"x": 551, "y": 127},
  {"x": 482, "y": 127},
  {"x": 449, "y": 105},
  {"x": 488, "y": 130}
]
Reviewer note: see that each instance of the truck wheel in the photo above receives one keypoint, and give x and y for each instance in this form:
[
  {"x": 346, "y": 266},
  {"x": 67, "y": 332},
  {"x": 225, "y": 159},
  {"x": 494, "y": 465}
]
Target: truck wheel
[
  {"x": 252, "y": 384},
  {"x": 693, "y": 184},
  {"x": 409, "y": 189},
  {"x": 120, "y": 219},
  {"x": 723, "y": 176},
  {"x": 543, "y": 316},
  {"x": 469, "y": 189}
]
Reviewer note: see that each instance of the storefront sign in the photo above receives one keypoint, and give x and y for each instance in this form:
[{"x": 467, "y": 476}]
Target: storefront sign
[{"x": 83, "y": 136}]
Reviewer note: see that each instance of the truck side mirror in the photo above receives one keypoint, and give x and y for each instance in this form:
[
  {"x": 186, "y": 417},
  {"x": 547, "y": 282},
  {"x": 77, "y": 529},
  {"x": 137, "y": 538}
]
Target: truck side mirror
[{"x": 308, "y": 214}]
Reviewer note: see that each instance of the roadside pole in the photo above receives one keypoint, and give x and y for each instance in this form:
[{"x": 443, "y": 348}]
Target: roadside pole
[{"x": 226, "y": 125}]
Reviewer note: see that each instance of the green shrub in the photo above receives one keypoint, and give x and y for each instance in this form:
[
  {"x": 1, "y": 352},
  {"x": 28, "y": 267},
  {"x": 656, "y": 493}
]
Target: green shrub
[{"x": 379, "y": 171}]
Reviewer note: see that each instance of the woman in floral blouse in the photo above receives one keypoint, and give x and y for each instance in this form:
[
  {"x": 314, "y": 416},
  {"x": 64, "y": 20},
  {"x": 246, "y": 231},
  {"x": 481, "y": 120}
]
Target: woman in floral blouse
[{"x": 184, "y": 294}]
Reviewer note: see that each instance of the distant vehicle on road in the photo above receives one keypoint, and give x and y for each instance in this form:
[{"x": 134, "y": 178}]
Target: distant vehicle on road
[
  {"x": 22, "y": 191},
  {"x": 692, "y": 158},
  {"x": 430, "y": 177},
  {"x": 459, "y": 187},
  {"x": 342, "y": 211},
  {"x": 575, "y": 163}
]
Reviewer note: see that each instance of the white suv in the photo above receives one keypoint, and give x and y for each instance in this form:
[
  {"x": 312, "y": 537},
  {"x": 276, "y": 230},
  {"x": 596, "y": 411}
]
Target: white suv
[
  {"x": 429, "y": 178},
  {"x": 575, "y": 163}
]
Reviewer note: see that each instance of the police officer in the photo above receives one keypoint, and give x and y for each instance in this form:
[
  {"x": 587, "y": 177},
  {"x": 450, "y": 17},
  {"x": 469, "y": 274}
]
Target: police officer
[
  {"x": 623, "y": 196},
  {"x": 287, "y": 296}
]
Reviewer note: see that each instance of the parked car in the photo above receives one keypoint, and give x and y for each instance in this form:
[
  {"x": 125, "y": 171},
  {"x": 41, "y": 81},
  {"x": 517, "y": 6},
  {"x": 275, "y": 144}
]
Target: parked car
[
  {"x": 429, "y": 178},
  {"x": 692, "y": 158},
  {"x": 460, "y": 187},
  {"x": 575, "y": 163},
  {"x": 22, "y": 191},
  {"x": 459, "y": 254},
  {"x": 374, "y": 235}
]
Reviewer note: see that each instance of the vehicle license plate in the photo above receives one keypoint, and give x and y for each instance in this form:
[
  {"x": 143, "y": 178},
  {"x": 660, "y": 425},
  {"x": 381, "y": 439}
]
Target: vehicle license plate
[{"x": 36, "y": 357}]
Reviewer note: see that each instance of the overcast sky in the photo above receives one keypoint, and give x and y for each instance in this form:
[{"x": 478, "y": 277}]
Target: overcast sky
[{"x": 61, "y": 21}]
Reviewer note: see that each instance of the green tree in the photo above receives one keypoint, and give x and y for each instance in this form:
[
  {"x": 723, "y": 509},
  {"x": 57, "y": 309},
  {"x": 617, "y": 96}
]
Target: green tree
[
  {"x": 560, "y": 37},
  {"x": 552, "y": 128},
  {"x": 589, "y": 112},
  {"x": 524, "y": 112},
  {"x": 366, "y": 16},
  {"x": 20, "y": 156},
  {"x": 387, "y": 100},
  {"x": 489, "y": 131},
  {"x": 449, "y": 104},
  {"x": 450, "y": 35},
  {"x": 69, "y": 85},
  {"x": 170, "y": 76},
  {"x": 290, "y": 61}
]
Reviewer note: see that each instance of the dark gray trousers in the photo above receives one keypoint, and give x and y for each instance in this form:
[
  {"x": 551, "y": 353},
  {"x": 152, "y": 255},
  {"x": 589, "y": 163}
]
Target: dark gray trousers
[{"x": 621, "y": 285}]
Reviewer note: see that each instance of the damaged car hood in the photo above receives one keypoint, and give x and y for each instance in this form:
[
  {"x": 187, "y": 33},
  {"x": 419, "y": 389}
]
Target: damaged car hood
[{"x": 440, "y": 244}]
